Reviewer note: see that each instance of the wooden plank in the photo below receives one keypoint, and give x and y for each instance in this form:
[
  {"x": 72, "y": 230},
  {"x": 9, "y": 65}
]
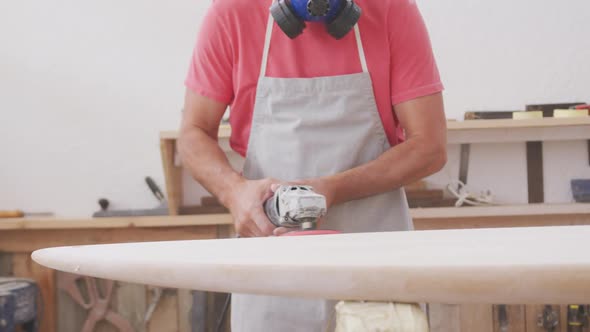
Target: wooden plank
[
  {"x": 487, "y": 131},
  {"x": 464, "y": 163},
  {"x": 564, "y": 210},
  {"x": 225, "y": 131},
  {"x": 502, "y": 221},
  {"x": 165, "y": 316},
  {"x": 511, "y": 124},
  {"x": 534, "y": 314},
  {"x": 508, "y": 135},
  {"x": 475, "y": 317},
  {"x": 131, "y": 303},
  {"x": 23, "y": 266},
  {"x": 431, "y": 203},
  {"x": 140, "y": 223},
  {"x": 100, "y": 223},
  {"x": 172, "y": 174},
  {"x": 5, "y": 264},
  {"x": 116, "y": 222},
  {"x": 444, "y": 318},
  {"x": 185, "y": 306},
  {"x": 509, "y": 318},
  {"x": 201, "y": 209},
  {"x": 29, "y": 240},
  {"x": 534, "y": 157},
  {"x": 434, "y": 194}
]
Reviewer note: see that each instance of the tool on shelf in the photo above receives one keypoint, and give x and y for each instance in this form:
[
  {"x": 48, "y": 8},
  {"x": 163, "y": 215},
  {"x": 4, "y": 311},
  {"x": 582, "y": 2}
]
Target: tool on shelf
[
  {"x": 160, "y": 210},
  {"x": 23, "y": 214}
]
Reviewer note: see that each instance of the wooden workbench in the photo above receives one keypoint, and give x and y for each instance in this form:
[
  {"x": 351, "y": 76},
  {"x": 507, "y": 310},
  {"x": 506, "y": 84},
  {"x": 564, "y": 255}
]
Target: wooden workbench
[{"x": 19, "y": 237}]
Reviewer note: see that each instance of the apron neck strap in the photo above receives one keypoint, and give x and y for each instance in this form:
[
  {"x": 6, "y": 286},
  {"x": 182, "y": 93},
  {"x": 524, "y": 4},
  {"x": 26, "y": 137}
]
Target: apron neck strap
[
  {"x": 361, "y": 50},
  {"x": 265, "y": 51},
  {"x": 266, "y": 46}
]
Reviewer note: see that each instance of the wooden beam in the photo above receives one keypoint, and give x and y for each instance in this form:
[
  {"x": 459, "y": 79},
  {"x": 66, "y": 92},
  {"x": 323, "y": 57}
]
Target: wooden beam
[
  {"x": 26, "y": 241},
  {"x": 5, "y": 264},
  {"x": 116, "y": 222},
  {"x": 501, "y": 222},
  {"x": 563, "y": 210},
  {"x": 518, "y": 124},
  {"x": 172, "y": 174},
  {"x": 475, "y": 317},
  {"x": 535, "y": 179},
  {"x": 453, "y": 126},
  {"x": 165, "y": 316}
]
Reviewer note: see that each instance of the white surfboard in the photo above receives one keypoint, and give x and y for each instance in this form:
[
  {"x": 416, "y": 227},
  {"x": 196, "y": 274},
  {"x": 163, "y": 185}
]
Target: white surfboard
[{"x": 547, "y": 265}]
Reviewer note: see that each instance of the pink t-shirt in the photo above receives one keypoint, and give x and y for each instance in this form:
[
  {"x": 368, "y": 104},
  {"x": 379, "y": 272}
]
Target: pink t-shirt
[{"x": 227, "y": 57}]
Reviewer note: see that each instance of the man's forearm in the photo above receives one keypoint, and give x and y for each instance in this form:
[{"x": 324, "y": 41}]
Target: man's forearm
[
  {"x": 399, "y": 166},
  {"x": 207, "y": 163}
]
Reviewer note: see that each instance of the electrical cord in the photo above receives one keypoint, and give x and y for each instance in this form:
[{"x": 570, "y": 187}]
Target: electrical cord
[{"x": 460, "y": 191}]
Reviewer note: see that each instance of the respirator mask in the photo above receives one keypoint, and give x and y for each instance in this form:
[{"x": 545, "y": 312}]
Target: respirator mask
[{"x": 339, "y": 16}]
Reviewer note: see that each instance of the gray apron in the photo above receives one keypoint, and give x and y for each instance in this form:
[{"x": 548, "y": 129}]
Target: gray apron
[{"x": 313, "y": 127}]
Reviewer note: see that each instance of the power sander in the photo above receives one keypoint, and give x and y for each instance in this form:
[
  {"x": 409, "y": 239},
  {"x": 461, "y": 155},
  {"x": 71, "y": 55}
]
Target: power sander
[{"x": 298, "y": 208}]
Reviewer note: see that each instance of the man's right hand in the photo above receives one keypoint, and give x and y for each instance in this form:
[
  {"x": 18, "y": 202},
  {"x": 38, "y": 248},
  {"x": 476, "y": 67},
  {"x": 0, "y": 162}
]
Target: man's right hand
[{"x": 246, "y": 206}]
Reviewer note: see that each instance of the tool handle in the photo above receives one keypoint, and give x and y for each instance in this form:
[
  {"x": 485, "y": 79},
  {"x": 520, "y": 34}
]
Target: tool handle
[
  {"x": 154, "y": 188},
  {"x": 12, "y": 214}
]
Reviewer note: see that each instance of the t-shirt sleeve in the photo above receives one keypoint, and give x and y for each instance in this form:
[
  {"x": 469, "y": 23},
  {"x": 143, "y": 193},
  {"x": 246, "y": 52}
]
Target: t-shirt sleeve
[
  {"x": 211, "y": 65},
  {"x": 414, "y": 71}
]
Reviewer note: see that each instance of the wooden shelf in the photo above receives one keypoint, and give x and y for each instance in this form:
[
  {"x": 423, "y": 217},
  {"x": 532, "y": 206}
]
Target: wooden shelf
[
  {"x": 501, "y": 211},
  {"x": 126, "y": 222},
  {"x": 517, "y": 124},
  {"x": 459, "y": 132},
  {"x": 505, "y": 212},
  {"x": 455, "y": 127},
  {"x": 510, "y": 131},
  {"x": 530, "y": 215}
]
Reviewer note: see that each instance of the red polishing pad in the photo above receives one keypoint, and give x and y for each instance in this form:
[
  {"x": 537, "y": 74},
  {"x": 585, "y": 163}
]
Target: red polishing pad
[{"x": 314, "y": 232}]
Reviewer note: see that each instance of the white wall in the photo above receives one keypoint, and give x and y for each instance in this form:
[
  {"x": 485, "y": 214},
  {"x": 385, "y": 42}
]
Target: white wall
[{"x": 85, "y": 87}]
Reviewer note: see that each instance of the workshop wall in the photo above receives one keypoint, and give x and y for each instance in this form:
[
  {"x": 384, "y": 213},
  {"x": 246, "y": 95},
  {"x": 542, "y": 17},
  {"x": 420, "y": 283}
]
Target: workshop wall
[{"x": 85, "y": 87}]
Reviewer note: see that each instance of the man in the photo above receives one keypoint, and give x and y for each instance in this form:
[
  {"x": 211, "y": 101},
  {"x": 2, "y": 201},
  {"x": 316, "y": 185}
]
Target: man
[{"x": 356, "y": 117}]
